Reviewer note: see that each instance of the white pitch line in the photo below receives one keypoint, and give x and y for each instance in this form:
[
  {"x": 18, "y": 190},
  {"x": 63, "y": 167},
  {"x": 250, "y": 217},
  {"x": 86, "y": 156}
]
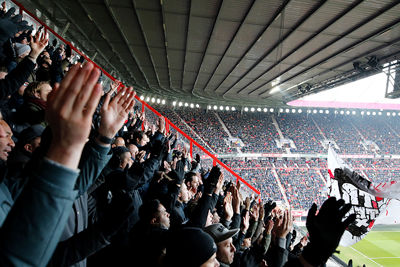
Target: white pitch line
[
  {"x": 362, "y": 254},
  {"x": 385, "y": 258}
]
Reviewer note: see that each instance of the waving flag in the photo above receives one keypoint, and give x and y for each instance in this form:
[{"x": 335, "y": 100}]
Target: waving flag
[{"x": 345, "y": 184}]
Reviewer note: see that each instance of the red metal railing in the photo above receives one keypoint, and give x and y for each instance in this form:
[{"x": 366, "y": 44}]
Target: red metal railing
[{"x": 169, "y": 124}]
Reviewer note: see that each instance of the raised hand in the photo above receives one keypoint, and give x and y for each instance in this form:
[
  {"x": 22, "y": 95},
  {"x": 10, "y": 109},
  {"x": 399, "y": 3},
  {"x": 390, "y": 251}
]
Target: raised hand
[
  {"x": 269, "y": 226},
  {"x": 326, "y": 229},
  {"x": 228, "y": 210},
  {"x": 114, "y": 112},
  {"x": 70, "y": 107},
  {"x": 284, "y": 225},
  {"x": 235, "y": 200},
  {"x": 38, "y": 44}
]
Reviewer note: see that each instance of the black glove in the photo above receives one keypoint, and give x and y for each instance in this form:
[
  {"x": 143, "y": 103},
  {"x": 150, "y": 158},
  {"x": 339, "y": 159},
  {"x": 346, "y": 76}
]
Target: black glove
[
  {"x": 179, "y": 173},
  {"x": 117, "y": 213},
  {"x": 211, "y": 182},
  {"x": 268, "y": 207},
  {"x": 197, "y": 158},
  {"x": 10, "y": 25},
  {"x": 326, "y": 229}
]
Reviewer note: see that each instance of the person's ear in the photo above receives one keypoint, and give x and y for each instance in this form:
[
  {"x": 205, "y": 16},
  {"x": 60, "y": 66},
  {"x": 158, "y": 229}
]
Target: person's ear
[
  {"x": 28, "y": 147},
  {"x": 37, "y": 94},
  {"x": 153, "y": 221}
]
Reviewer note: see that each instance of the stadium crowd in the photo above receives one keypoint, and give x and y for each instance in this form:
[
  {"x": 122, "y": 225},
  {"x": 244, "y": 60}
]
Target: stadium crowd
[{"x": 87, "y": 180}]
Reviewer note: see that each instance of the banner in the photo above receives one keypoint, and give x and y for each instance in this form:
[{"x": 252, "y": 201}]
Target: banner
[{"x": 345, "y": 184}]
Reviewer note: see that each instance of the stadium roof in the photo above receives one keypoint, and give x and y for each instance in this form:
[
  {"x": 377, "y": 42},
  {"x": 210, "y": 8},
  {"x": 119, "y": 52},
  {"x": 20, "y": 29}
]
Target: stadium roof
[{"x": 232, "y": 51}]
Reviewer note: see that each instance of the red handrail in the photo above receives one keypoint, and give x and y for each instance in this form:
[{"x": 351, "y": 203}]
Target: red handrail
[{"x": 144, "y": 104}]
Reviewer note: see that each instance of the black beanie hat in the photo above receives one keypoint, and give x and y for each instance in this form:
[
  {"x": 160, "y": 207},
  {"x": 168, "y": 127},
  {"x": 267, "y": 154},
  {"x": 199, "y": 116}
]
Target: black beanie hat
[{"x": 189, "y": 247}]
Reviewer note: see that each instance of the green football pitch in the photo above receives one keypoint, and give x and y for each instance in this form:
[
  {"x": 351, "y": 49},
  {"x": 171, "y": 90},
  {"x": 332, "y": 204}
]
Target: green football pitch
[{"x": 381, "y": 247}]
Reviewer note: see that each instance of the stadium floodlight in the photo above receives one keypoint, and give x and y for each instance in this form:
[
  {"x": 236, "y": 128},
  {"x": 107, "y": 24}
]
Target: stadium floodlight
[
  {"x": 265, "y": 110},
  {"x": 233, "y": 108},
  {"x": 379, "y": 113},
  {"x": 388, "y": 114},
  {"x": 163, "y": 101},
  {"x": 141, "y": 97},
  {"x": 197, "y": 105},
  {"x": 362, "y": 112},
  {"x": 215, "y": 107},
  {"x": 174, "y": 103},
  {"x": 221, "y": 108},
  {"x": 353, "y": 112},
  {"x": 147, "y": 99},
  {"x": 180, "y": 104},
  {"x": 315, "y": 111},
  {"x": 153, "y": 100},
  {"x": 280, "y": 110},
  {"x": 321, "y": 111},
  {"x": 158, "y": 101},
  {"x": 191, "y": 105},
  {"x": 308, "y": 111},
  {"x": 246, "y": 109},
  {"x": 208, "y": 107},
  {"x": 368, "y": 113},
  {"x": 373, "y": 113},
  {"x": 252, "y": 109},
  {"x": 271, "y": 110},
  {"x": 348, "y": 112},
  {"x": 293, "y": 110},
  {"x": 341, "y": 112},
  {"x": 227, "y": 108},
  {"x": 394, "y": 114},
  {"x": 398, "y": 114},
  {"x": 326, "y": 111},
  {"x": 259, "y": 109},
  {"x": 186, "y": 104},
  {"x": 287, "y": 110},
  {"x": 299, "y": 111}
]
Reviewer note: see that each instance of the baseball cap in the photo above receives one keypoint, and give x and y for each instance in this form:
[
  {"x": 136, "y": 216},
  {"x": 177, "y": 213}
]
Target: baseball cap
[
  {"x": 219, "y": 232},
  {"x": 30, "y": 133}
]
